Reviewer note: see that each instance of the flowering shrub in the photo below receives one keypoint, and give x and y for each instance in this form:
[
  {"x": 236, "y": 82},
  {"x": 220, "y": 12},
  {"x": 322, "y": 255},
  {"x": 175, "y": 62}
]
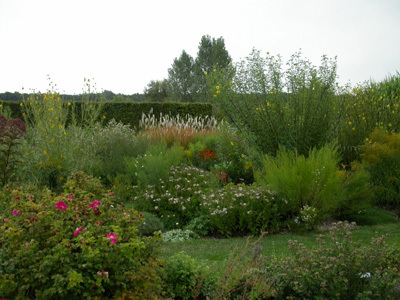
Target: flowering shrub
[
  {"x": 177, "y": 199},
  {"x": 337, "y": 269},
  {"x": 241, "y": 209},
  {"x": 78, "y": 244}
]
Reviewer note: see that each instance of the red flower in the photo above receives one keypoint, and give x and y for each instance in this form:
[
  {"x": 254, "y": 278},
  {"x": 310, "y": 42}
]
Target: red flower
[{"x": 206, "y": 154}]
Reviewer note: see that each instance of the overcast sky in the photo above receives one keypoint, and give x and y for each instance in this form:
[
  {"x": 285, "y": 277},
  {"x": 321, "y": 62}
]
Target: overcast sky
[{"x": 123, "y": 44}]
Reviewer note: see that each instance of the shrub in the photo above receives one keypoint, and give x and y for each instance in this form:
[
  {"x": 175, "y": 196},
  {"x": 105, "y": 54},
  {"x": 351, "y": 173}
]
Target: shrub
[
  {"x": 314, "y": 182},
  {"x": 153, "y": 167},
  {"x": 150, "y": 224},
  {"x": 382, "y": 159},
  {"x": 271, "y": 107},
  {"x": 176, "y": 199},
  {"x": 179, "y": 235},
  {"x": 77, "y": 244},
  {"x": 10, "y": 133},
  {"x": 337, "y": 269},
  {"x": 242, "y": 209},
  {"x": 184, "y": 278}
]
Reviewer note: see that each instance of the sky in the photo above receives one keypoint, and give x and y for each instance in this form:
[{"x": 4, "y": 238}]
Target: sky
[{"x": 121, "y": 45}]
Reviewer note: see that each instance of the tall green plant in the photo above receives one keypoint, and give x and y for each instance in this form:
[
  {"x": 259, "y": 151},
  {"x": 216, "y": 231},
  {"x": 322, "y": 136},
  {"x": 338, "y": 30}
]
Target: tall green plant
[{"x": 273, "y": 107}]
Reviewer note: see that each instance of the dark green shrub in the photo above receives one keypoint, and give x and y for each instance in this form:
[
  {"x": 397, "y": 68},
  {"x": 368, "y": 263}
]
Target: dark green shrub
[
  {"x": 150, "y": 224},
  {"x": 78, "y": 244},
  {"x": 184, "y": 278}
]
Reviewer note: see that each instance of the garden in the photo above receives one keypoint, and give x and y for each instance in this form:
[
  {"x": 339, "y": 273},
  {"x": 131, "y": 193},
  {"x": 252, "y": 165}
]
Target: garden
[{"x": 291, "y": 190}]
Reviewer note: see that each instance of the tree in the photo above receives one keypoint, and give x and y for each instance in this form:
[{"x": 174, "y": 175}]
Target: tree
[
  {"x": 212, "y": 54},
  {"x": 156, "y": 90},
  {"x": 181, "y": 83}
]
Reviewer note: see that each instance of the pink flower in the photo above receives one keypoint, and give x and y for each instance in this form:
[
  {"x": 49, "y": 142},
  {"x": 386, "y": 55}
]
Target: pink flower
[
  {"x": 71, "y": 197},
  {"x": 96, "y": 211},
  {"x": 16, "y": 212},
  {"x": 95, "y": 203},
  {"x": 112, "y": 237},
  {"x": 61, "y": 205},
  {"x": 77, "y": 231}
]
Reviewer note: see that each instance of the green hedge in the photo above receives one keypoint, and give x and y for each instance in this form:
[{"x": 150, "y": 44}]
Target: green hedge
[{"x": 131, "y": 112}]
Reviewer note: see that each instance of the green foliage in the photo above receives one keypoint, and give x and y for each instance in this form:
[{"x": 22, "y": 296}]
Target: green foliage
[
  {"x": 271, "y": 107},
  {"x": 313, "y": 182},
  {"x": 365, "y": 108},
  {"x": 179, "y": 235},
  {"x": 156, "y": 91},
  {"x": 337, "y": 269},
  {"x": 10, "y": 133},
  {"x": 184, "y": 278},
  {"x": 153, "y": 167},
  {"x": 200, "y": 225},
  {"x": 178, "y": 198},
  {"x": 382, "y": 159},
  {"x": 150, "y": 224},
  {"x": 242, "y": 209},
  {"x": 77, "y": 244}
]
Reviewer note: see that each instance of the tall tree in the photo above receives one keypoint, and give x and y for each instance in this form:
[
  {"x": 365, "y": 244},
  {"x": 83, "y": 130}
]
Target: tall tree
[
  {"x": 181, "y": 83},
  {"x": 212, "y": 54},
  {"x": 156, "y": 90}
]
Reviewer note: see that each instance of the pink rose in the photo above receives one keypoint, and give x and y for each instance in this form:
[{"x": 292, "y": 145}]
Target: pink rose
[
  {"x": 95, "y": 203},
  {"x": 16, "y": 212},
  {"x": 112, "y": 237},
  {"x": 61, "y": 205},
  {"x": 76, "y": 232}
]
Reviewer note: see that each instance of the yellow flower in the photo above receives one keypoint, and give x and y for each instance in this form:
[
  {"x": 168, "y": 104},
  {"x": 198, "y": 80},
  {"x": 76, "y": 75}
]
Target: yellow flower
[
  {"x": 51, "y": 109},
  {"x": 231, "y": 83},
  {"x": 69, "y": 103},
  {"x": 349, "y": 123},
  {"x": 52, "y": 140},
  {"x": 217, "y": 87},
  {"x": 59, "y": 167},
  {"x": 21, "y": 104},
  {"x": 45, "y": 152},
  {"x": 64, "y": 133},
  {"x": 205, "y": 73},
  {"x": 390, "y": 124},
  {"x": 61, "y": 178},
  {"x": 52, "y": 126},
  {"x": 1, "y": 105},
  {"x": 60, "y": 126},
  {"x": 215, "y": 95},
  {"x": 103, "y": 117},
  {"x": 353, "y": 128},
  {"x": 242, "y": 156},
  {"x": 232, "y": 143}
]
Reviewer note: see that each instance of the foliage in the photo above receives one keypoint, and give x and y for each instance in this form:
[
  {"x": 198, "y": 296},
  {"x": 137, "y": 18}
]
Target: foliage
[
  {"x": 150, "y": 225},
  {"x": 271, "y": 107},
  {"x": 176, "y": 199},
  {"x": 337, "y": 269},
  {"x": 172, "y": 129},
  {"x": 364, "y": 108},
  {"x": 10, "y": 133},
  {"x": 242, "y": 209},
  {"x": 184, "y": 278},
  {"x": 313, "y": 183},
  {"x": 76, "y": 244},
  {"x": 382, "y": 159},
  {"x": 156, "y": 90},
  {"x": 152, "y": 168},
  {"x": 179, "y": 235}
]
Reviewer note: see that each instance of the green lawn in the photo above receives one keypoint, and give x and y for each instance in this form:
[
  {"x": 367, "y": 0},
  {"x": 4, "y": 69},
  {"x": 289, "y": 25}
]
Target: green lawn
[{"x": 215, "y": 252}]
